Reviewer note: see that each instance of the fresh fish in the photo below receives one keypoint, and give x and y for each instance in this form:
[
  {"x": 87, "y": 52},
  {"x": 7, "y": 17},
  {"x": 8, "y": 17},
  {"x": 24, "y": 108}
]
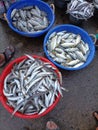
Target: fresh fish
[
  {"x": 65, "y": 45},
  {"x": 71, "y": 51},
  {"x": 73, "y": 62},
  {"x": 29, "y": 19},
  {"x": 32, "y": 86},
  {"x": 80, "y": 9}
]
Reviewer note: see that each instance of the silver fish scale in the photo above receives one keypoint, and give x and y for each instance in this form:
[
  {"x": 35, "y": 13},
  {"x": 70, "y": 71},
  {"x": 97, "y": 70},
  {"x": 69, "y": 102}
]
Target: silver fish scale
[
  {"x": 34, "y": 89},
  {"x": 71, "y": 51},
  {"x": 30, "y": 14}
]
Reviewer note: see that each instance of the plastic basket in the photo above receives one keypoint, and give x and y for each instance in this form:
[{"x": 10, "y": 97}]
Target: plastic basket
[
  {"x": 3, "y": 99},
  {"x": 42, "y": 6},
  {"x": 76, "y": 30}
]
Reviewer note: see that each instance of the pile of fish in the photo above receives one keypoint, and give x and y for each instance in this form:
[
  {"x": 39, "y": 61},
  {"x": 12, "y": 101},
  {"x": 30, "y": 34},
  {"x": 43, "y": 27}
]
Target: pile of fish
[
  {"x": 29, "y": 19},
  {"x": 80, "y": 9},
  {"x": 95, "y": 2},
  {"x": 67, "y": 49},
  {"x": 32, "y": 86}
]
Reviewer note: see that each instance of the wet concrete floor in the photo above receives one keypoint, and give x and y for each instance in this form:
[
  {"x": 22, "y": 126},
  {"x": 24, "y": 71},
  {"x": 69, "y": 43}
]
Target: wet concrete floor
[{"x": 74, "y": 111}]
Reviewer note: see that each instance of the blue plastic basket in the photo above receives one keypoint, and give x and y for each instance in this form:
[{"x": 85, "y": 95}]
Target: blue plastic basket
[
  {"x": 76, "y": 30},
  {"x": 42, "y": 6}
]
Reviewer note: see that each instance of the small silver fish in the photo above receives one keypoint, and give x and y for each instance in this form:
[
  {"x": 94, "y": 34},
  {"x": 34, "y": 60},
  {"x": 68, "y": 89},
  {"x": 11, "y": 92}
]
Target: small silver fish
[
  {"x": 70, "y": 51},
  {"x": 23, "y": 18},
  {"x": 32, "y": 86},
  {"x": 80, "y": 9}
]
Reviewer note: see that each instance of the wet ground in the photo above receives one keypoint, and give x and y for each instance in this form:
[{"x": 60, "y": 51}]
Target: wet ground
[{"x": 74, "y": 111}]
